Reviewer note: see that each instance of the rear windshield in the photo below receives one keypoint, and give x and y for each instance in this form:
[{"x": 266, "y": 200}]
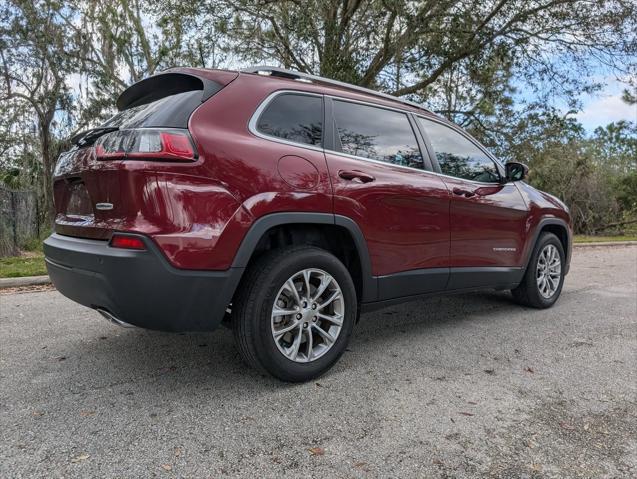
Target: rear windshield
[{"x": 171, "y": 112}]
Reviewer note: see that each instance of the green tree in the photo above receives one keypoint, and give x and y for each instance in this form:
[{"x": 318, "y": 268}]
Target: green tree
[
  {"x": 615, "y": 147},
  {"x": 405, "y": 47},
  {"x": 34, "y": 72}
]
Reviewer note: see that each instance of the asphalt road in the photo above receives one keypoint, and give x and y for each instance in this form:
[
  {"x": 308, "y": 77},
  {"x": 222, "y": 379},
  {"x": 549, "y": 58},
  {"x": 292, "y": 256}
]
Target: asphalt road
[{"x": 464, "y": 386}]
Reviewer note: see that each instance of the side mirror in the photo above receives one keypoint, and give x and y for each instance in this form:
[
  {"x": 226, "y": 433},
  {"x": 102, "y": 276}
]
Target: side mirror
[{"x": 516, "y": 171}]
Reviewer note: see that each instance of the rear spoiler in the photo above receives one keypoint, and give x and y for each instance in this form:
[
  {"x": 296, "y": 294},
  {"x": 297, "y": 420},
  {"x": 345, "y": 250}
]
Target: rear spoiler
[{"x": 172, "y": 82}]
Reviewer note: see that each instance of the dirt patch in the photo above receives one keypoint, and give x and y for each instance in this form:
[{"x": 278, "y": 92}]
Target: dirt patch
[{"x": 27, "y": 289}]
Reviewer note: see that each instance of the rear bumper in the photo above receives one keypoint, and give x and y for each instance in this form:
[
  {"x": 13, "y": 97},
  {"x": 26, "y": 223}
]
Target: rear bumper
[{"x": 139, "y": 287}]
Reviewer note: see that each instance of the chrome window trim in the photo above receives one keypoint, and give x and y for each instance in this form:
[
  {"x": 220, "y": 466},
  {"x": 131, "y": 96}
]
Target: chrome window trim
[
  {"x": 386, "y": 163},
  {"x": 254, "y": 120},
  {"x": 419, "y": 170}
]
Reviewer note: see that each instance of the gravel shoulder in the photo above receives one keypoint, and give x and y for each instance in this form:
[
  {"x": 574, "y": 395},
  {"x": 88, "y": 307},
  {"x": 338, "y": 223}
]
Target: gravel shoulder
[{"x": 458, "y": 386}]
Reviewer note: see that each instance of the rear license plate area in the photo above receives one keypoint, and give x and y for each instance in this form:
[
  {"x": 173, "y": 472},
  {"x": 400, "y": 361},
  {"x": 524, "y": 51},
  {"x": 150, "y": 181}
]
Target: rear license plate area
[{"x": 79, "y": 202}]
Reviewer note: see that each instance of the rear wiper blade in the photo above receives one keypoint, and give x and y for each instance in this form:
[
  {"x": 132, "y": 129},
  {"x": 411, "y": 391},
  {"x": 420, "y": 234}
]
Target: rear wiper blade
[{"x": 88, "y": 137}]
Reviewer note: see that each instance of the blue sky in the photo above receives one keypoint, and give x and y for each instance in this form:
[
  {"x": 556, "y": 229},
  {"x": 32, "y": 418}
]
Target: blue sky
[{"x": 605, "y": 107}]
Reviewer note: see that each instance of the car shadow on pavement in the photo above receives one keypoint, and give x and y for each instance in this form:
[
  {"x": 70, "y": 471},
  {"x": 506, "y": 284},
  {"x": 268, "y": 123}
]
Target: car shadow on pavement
[{"x": 174, "y": 361}]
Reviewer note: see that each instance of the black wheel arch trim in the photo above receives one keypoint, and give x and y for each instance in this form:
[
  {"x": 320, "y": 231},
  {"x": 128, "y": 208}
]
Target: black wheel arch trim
[
  {"x": 267, "y": 222},
  {"x": 536, "y": 235}
]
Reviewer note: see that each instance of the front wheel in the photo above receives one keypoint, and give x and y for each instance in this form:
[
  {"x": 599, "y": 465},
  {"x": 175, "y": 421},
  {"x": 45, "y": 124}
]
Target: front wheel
[
  {"x": 294, "y": 313},
  {"x": 544, "y": 277}
]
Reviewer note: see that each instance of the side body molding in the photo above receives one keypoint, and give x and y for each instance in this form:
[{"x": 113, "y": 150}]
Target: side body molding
[{"x": 263, "y": 224}]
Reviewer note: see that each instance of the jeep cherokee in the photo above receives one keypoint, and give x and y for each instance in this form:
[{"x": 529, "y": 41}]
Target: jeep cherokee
[{"x": 285, "y": 204}]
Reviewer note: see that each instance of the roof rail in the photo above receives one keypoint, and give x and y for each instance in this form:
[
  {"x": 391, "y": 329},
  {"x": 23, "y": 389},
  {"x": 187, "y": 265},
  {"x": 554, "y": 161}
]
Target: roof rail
[{"x": 267, "y": 70}]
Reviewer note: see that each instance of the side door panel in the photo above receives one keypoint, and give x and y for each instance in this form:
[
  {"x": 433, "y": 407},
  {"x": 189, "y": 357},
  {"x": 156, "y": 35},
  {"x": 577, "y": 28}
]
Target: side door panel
[
  {"x": 488, "y": 218},
  {"x": 487, "y": 225},
  {"x": 403, "y": 213}
]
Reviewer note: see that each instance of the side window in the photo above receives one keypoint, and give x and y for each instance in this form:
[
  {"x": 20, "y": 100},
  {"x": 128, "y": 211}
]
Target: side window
[
  {"x": 457, "y": 156},
  {"x": 293, "y": 117},
  {"x": 376, "y": 133}
]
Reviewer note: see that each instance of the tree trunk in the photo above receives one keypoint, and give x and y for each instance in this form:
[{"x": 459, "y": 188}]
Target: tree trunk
[{"x": 48, "y": 163}]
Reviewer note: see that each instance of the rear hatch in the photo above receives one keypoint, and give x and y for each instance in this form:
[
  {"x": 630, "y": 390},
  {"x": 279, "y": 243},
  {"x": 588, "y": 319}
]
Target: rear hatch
[{"x": 111, "y": 179}]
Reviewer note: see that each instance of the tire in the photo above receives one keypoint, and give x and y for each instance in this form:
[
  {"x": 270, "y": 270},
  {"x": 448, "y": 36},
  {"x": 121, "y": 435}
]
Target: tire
[
  {"x": 255, "y": 321},
  {"x": 530, "y": 292}
]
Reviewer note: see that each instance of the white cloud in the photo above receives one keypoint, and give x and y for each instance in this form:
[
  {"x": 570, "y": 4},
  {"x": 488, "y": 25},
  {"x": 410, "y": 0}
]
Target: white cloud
[{"x": 603, "y": 110}]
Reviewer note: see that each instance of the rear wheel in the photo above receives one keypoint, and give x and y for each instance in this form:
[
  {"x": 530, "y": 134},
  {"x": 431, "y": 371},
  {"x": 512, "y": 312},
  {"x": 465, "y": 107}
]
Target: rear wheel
[
  {"x": 543, "y": 280},
  {"x": 294, "y": 313}
]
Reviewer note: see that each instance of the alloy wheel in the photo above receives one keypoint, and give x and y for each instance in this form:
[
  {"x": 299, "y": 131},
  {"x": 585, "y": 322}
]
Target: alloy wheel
[
  {"x": 549, "y": 271},
  {"x": 307, "y": 315}
]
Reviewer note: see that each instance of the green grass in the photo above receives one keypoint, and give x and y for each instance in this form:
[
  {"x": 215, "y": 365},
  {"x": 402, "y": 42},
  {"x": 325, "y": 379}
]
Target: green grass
[
  {"x": 27, "y": 265},
  {"x": 35, "y": 244},
  {"x": 598, "y": 239}
]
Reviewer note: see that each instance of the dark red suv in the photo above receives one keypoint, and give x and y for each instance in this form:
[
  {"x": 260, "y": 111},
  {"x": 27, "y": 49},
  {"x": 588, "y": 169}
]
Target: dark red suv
[{"x": 285, "y": 204}]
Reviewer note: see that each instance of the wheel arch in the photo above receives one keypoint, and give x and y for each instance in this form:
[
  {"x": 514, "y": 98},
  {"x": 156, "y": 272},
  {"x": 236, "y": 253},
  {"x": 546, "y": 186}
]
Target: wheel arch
[
  {"x": 335, "y": 233},
  {"x": 559, "y": 228}
]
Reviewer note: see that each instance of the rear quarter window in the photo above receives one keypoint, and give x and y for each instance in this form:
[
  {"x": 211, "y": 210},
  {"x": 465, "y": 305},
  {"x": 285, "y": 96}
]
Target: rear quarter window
[{"x": 293, "y": 117}]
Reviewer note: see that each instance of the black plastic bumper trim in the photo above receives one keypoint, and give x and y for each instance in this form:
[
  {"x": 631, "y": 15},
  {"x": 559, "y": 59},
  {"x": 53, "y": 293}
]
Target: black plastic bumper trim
[{"x": 139, "y": 287}]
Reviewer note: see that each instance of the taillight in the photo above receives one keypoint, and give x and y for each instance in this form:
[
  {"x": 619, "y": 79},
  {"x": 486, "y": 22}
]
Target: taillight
[
  {"x": 127, "y": 242},
  {"x": 146, "y": 144}
]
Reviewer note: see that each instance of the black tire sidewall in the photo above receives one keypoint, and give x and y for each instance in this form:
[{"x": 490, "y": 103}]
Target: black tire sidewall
[
  {"x": 265, "y": 348},
  {"x": 535, "y": 296}
]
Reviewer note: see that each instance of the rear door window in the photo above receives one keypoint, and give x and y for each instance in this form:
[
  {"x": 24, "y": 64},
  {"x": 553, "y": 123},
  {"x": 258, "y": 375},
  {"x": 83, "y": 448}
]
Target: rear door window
[
  {"x": 294, "y": 117},
  {"x": 376, "y": 133},
  {"x": 458, "y": 156}
]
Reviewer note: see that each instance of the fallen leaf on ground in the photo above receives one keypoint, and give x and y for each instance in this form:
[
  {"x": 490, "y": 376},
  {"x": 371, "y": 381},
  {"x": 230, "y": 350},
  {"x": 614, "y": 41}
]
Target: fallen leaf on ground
[
  {"x": 317, "y": 451},
  {"x": 80, "y": 458},
  {"x": 167, "y": 467},
  {"x": 87, "y": 413},
  {"x": 437, "y": 462},
  {"x": 529, "y": 370},
  {"x": 38, "y": 413},
  {"x": 177, "y": 451}
]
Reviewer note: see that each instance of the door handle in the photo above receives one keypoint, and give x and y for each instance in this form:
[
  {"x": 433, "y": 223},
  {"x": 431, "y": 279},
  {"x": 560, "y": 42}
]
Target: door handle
[
  {"x": 353, "y": 175},
  {"x": 461, "y": 192}
]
